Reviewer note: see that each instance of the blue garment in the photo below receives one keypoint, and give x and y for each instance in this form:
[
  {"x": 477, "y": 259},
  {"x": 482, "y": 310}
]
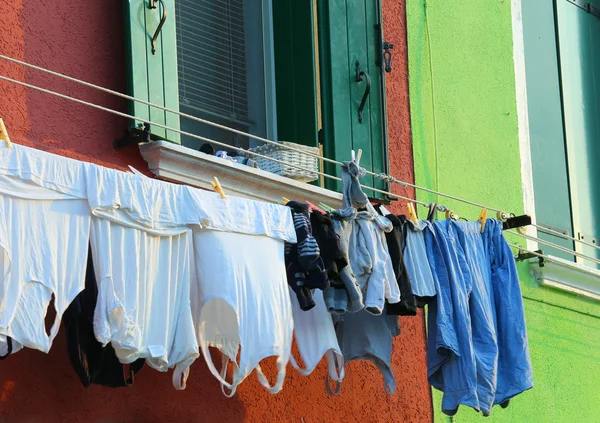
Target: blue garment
[
  {"x": 477, "y": 289},
  {"x": 415, "y": 258},
  {"x": 515, "y": 373}
]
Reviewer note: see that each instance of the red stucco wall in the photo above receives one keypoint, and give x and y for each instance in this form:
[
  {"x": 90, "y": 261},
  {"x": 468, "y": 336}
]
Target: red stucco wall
[{"x": 84, "y": 39}]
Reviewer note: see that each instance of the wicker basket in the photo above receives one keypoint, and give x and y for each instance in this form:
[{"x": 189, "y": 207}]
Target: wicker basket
[{"x": 281, "y": 153}]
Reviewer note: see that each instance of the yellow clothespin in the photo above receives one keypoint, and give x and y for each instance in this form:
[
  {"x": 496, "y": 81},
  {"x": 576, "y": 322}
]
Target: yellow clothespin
[
  {"x": 216, "y": 186},
  {"x": 358, "y": 156},
  {"x": 284, "y": 201},
  {"x": 412, "y": 213},
  {"x": 4, "y": 134},
  {"x": 482, "y": 218}
]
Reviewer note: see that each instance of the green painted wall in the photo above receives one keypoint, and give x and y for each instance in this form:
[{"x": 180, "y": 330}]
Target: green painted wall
[{"x": 465, "y": 142}]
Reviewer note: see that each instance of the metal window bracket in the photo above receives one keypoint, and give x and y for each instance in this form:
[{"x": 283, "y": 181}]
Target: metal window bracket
[
  {"x": 525, "y": 255},
  {"x": 134, "y": 136}
]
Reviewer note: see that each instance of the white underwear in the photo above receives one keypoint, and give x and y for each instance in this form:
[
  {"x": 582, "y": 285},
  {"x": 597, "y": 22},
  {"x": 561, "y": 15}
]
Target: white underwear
[
  {"x": 315, "y": 337},
  {"x": 43, "y": 255},
  {"x": 241, "y": 301}
]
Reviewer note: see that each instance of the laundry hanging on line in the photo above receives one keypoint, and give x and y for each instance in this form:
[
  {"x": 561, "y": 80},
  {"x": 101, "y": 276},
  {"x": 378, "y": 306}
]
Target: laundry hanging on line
[{"x": 179, "y": 270}]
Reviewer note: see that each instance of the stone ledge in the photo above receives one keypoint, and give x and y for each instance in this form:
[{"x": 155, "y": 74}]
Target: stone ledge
[
  {"x": 175, "y": 163},
  {"x": 568, "y": 276}
]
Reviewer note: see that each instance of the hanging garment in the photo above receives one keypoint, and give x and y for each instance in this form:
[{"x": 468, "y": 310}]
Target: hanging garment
[
  {"x": 371, "y": 262},
  {"x": 44, "y": 232},
  {"x": 93, "y": 363},
  {"x": 304, "y": 264},
  {"x": 241, "y": 303},
  {"x": 328, "y": 241},
  {"x": 141, "y": 249},
  {"x": 515, "y": 373},
  {"x": 463, "y": 345},
  {"x": 363, "y": 336},
  {"x": 315, "y": 337},
  {"x": 344, "y": 295},
  {"x": 415, "y": 258},
  {"x": 143, "y": 305},
  {"x": 353, "y": 195},
  {"x": 395, "y": 242}
]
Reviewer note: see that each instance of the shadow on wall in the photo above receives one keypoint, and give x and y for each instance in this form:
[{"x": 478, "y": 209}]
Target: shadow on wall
[{"x": 39, "y": 388}]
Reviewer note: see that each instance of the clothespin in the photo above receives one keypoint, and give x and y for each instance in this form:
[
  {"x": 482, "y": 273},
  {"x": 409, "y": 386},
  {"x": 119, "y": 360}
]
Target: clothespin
[
  {"x": 412, "y": 213},
  {"x": 136, "y": 172},
  {"x": 284, "y": 201},
  {"x": 431, "y": 213},
  {"x": 451, "y": 215},
  {"x": 358, "y": 156},
  {"x": 313, "y": 207},
  {"x": 482, "y": 218},
  {"x": 216, "y": 186},
  {"x": 326, "y": 207},
  {"x": 4, "y": 134}
]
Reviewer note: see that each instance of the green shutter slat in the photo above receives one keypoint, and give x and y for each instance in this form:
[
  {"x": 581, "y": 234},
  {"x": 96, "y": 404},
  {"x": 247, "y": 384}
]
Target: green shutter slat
[
  {"x": 378, "y": 135},
  {"x": 135, "y": 51},
  {"x": 335, "y": 80},
  {"x": 347, "y": 33},
  {"x": 358, "y": 51},
  {"x": 152, "y": 77},
  {"x": 546, "y": 132},
  {"x": 168, "y": 53},
  {"x": 295, "y": 71}
]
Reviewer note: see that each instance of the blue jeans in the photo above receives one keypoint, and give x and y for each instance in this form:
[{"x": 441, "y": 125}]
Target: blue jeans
[
  {"x": 463, "y": 345},
  {"x": 515, "y": 373}
]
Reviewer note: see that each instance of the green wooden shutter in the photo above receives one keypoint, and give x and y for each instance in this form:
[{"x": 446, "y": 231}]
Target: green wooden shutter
[
  {"x": 546, "y": 131},
  {"x": 295, "y": 71},
  {"x": 152, "y": 77},
  {"x": 579, "y": 46},
  {"x": 349, "y": 31}
]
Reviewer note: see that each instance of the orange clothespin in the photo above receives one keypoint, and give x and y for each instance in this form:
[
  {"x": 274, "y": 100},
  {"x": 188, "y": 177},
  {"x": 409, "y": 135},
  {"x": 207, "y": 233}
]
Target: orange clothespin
[
  {"x": 4, "y": 134},
  {"x": 482, "y": 218},
  {"x": 412, "y": 213},
  {"x": 216, "y": 186}
]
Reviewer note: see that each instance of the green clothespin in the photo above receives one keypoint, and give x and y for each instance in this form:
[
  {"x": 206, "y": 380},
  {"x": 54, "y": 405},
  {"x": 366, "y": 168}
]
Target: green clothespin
[{"x": 326, "y": 207}]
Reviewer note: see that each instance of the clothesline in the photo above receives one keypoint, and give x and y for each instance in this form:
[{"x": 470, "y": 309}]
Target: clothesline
[
  {"x": 159, "y": 125},
  {"x": 125, "y": 115},
  {"x": 546, "y": 257},
  {"x": 382, "y": 176},
  {"x": 556, "y": 246}
]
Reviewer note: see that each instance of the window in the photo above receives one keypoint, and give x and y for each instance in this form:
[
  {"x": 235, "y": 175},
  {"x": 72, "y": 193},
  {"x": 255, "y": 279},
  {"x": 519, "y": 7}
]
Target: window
[
  {"x": 224, "y": 75},
  {"x": 281, "y": 69},
  {"x": 562, "y": 57}
]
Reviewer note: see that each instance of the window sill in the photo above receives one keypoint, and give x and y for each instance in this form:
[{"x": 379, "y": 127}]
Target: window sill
[
  {"x": 576, "y": 279},
  {"x": 175, "y": 163}
]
